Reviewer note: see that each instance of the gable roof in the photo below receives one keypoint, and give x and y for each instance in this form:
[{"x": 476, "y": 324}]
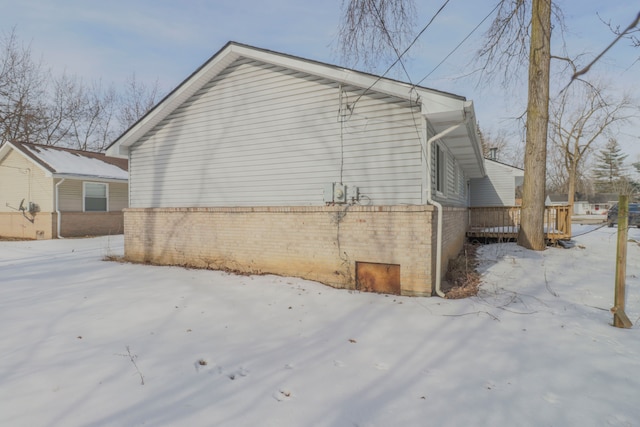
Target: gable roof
[
  {"x": 558, "y": 198},
  {"x": 506, "y": 165},
  {"x": 449, "y": 114},
  {"x": 69, "y": 163}
]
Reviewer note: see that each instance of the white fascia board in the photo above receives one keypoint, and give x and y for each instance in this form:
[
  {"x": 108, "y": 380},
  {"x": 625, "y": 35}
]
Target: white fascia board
[
  {"x": 472, "y": 126},
  {"x": 183, "y": 92},
  {"x": 516, "y": 171},
  {"x": 437, "y": 101},
  {"x": 93, "y": 178},
  {"x": 347, "y": 76}
]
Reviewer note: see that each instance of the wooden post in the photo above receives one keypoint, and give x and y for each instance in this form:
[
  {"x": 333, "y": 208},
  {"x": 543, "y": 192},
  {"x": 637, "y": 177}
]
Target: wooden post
[{"x": 620, "y": 319}]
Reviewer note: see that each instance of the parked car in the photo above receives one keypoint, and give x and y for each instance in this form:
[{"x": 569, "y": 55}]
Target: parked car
[{"x": 634, "y": 215}]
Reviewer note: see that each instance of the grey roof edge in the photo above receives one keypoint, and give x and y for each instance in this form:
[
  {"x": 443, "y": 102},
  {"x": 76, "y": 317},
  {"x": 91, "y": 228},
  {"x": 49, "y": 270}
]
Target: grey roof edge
[
  {"x": 503, "y": 163},
  {"x": 228, "y": 49},
  {"x": 22, "y": 147}
]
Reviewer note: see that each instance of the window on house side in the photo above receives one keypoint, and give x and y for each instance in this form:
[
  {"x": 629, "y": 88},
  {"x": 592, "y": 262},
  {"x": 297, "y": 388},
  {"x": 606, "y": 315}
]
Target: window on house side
[
  {"x": 95, "y": 197},
  {"x": 441, "y": 167}
]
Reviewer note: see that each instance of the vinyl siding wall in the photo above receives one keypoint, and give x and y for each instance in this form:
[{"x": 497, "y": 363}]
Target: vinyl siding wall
[
  {"x": 455, "y": 181},
  {"x": 70, "y": 193},
  {"x": 21, "y": 179},
  {"x": 259, "y": 135},
  {"x": 497, "y": 188},
  {"x": 70, "y": 196},
  {"x": 118, "y": 196}
]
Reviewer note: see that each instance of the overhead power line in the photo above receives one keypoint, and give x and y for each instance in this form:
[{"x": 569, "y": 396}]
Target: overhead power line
[
  {"x": 404, "y": 52},
  {"x": 460, "y": 44}
]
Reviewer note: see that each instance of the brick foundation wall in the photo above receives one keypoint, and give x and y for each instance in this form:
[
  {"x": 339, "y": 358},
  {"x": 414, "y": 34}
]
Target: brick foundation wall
[
  {"x": 16, "y": 225},
  {"x": 316, "y": 243},
  {"x": 79, "y": 224},
  {"x": 455, "y": 224}
]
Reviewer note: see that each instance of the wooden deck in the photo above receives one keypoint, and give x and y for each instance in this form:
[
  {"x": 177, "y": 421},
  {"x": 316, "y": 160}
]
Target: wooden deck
[{"x": 503, "y": 223}]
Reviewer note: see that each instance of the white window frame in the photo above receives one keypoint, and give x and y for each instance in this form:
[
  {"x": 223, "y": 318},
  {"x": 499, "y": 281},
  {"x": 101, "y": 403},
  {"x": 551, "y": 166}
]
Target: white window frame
[{"x": 84, "y": 195}]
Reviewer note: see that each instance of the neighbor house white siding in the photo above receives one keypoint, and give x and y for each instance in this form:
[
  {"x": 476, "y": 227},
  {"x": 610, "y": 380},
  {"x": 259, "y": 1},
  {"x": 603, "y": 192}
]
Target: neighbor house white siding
[
  {"x": 498, "y": 187},
  {"x": 21, "y": 179},
  {"x": 70, "y": 194},
  {"x": 263, "y": 135}
]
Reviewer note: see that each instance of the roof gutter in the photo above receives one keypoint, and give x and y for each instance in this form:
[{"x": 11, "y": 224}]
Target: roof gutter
[
  {"x": 58, "y": 213},
  {"x": 95, "y": 178}
]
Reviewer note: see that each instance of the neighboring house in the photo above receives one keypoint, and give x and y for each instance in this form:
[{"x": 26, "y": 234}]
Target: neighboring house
[
  {"x": 48, "y": 192},
  {"x": 262, "y": 162},
  {"x": 556, "y": 200},
  {"x": 498, "y": 187},
  {"x": 580, "y": 207},
  {"x": 594, "y": 204},
  {"x": 600, "y": 203}
]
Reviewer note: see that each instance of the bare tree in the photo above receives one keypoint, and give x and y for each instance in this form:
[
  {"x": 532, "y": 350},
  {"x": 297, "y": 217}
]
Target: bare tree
[
  {"x": 22, "y": 87},
  {"x": 557, "y": 177},
  {"x": 135, "y": 101},
  {"x": 580, "y": 116},
  {"x": 630, "y": 32},
  {"x": 520, "y": 27},
  {"x": 372, "y": 31},
  {"x": 506, "y": 148},
  {"x": 93, "y": 126},
  {"x": 37, "y": 107},
  {"x": 531, "y": 233},
  {"x": 62, "y": 108}
]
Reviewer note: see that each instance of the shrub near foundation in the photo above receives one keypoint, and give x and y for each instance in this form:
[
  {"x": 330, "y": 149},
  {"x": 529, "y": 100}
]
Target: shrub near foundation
[{"x": 462, "y": 279}]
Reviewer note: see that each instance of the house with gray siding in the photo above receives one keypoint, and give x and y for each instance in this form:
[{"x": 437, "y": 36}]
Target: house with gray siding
[
  {"x": 263, "y": 162},
  {"x": 498, "y": 186},
  {"x": 51, "y": 192}
]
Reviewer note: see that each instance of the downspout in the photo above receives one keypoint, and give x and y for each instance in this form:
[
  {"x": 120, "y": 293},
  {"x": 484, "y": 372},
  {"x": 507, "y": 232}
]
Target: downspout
[
  {"x": 58, "y": 214},
  {"x": 438, "y": 207}
]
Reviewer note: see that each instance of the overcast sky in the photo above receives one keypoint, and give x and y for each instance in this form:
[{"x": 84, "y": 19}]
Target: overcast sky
[{"x": 167, "y": 40}]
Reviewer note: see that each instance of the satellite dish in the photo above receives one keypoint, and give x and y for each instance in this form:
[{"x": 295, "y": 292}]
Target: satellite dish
[{"x": 22, "y": 208}]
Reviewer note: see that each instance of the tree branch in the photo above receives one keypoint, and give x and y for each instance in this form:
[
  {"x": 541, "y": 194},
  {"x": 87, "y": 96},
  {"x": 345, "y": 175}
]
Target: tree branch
[{"x": 586, "y": 69}]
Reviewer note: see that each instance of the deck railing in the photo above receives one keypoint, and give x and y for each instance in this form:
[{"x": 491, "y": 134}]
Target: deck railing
[{"x": 503, "y": 222}]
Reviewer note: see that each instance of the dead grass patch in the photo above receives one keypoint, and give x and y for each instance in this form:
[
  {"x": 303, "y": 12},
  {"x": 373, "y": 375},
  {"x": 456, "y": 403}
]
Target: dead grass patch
[{"x": 462, "y": 279}]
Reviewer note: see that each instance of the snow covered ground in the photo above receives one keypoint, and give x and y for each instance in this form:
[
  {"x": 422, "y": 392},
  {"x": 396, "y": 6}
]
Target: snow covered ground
[{"x": 87, "y": 342}]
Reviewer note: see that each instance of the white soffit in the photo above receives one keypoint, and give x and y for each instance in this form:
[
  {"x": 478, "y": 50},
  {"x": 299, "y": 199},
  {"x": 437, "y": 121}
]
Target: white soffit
[{"x": 462, "y": 142}]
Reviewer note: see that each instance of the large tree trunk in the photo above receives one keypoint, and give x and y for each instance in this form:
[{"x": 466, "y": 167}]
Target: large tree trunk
[
  {"x": 573, "y": 178},
  {"x": 531, "y": 234},
  {"x": 573, "y": 183}
]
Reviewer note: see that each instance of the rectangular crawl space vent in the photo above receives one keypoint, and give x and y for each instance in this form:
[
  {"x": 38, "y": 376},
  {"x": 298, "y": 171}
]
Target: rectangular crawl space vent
[{"x": 379, "y": 278}]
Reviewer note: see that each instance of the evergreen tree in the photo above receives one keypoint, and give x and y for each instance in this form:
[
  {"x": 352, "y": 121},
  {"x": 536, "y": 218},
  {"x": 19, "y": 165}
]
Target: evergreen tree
[{"x": 609, "y": 172}]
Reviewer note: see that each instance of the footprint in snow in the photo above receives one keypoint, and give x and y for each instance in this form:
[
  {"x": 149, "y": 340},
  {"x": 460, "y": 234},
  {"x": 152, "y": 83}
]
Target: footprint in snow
[
  {"x": 282, "y": 395},
  {"x": 241, "y": 372}
]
